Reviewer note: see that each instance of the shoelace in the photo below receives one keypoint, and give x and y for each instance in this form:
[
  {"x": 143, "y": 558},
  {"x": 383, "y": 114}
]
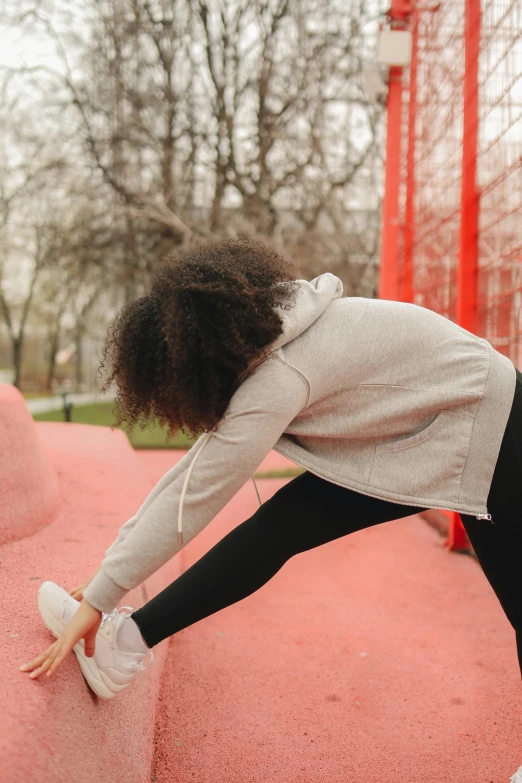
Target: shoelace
[{"x": 111, "y": 616}]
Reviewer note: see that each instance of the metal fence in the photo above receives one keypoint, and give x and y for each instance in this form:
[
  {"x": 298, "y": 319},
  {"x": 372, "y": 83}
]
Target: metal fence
[
  {"x": 454, "y": 169},
  {"x": 499, "y": 177}
]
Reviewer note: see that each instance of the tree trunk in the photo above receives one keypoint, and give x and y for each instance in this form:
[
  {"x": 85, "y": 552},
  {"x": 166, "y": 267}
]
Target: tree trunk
[
  {"x": 51, "y": 367},
  {"x": 79, "y": 356},
  {"x": 17, "y": 359}
]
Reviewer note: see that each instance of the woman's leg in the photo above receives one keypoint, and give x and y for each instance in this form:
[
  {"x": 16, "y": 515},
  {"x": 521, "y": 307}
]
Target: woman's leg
[
  {"x": 305, "y": 513},
  {"x": 499, "y": 552},
  {"x": 498, "y": 544}
]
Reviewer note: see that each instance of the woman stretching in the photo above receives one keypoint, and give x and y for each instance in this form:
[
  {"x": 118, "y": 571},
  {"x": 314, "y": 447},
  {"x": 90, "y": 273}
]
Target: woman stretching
[{"x": 390, "y": 408}]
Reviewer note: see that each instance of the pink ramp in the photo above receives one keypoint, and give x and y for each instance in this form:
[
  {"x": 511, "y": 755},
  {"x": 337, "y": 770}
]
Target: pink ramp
[
  {"x": 29, "y": 486},
  {"x": 56, "y": 730}
]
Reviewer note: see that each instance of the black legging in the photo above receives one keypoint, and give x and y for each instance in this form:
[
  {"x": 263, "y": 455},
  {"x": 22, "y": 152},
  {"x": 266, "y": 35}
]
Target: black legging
[{"x": 309, "y": 511}]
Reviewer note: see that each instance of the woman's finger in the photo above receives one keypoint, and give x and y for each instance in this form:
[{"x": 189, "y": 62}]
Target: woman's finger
[
  {"x": 53, "y": 660},
  {"x": 44, "y": 666},
  {"x": 84, "y": 624},
  {"x": 90, "y": 642},
  {"x": 37, "y": 661},
  {"x": 41, "y": 669},
  {"x": 58, "y": 658}
]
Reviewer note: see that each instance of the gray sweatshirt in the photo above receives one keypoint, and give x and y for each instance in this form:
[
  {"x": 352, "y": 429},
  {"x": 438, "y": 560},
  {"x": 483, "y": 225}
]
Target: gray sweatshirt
[{"x": 386, "y": 398}]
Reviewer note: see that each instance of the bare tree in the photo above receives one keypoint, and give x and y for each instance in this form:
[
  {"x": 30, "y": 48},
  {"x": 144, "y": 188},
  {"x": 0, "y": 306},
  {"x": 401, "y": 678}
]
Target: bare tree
[
  {"x": 210, "y": 118},
  {"x": 27, "y": 248},
  {"x": 172, "y": 122}
]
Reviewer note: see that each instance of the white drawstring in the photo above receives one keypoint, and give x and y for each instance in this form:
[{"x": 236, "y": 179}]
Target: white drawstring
[
  {"x": 205, "y": 439},
  {"x": 257, "y": 491}
]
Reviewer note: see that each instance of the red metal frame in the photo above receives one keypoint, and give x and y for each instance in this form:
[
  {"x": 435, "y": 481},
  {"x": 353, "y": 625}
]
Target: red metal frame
[
  {"x": 398, "y": 15},
  {"x": 452, "y": 211},
  {"x": 499, "y": 170},
  {"x": 467, "y": 272},
  {"x": 389, "y": 274},
  {"x": 469, "y": 206},
  {"x": 407, "y": 293}
]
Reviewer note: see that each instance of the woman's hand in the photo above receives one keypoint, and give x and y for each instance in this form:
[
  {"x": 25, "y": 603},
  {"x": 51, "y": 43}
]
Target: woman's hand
[
  {"x": 84, "y": 625},
  {"x": 77, "y": 592}
]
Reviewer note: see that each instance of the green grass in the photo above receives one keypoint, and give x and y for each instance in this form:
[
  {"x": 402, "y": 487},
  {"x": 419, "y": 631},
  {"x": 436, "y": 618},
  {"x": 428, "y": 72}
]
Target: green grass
[
  {"x": 100, "y": 413},
  {"x": 283, "y": 473},
  {"x": 273, "y": 474}
]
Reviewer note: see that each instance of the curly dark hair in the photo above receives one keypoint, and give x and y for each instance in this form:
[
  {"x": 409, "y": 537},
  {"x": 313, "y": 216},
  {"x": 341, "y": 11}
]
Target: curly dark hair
[{"x": 178, "y": 353}]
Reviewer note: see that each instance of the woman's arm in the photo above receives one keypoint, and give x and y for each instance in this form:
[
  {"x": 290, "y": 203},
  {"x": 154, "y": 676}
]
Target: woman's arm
[
  {"x": 170, "y": 476},
  {"x": 259, "y": 412}
]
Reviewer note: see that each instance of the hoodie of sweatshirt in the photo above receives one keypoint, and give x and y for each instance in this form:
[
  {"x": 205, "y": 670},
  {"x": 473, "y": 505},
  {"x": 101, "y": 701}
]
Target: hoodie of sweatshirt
[{"x": 387, "y": 398}]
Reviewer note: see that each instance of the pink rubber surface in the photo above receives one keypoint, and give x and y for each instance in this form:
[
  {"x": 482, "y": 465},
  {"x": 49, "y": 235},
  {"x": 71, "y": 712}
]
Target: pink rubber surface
[
  {"x": 379, "y": 657},
  {"x": 55, "y": 730},
  {"x": 30, "y": 495}
]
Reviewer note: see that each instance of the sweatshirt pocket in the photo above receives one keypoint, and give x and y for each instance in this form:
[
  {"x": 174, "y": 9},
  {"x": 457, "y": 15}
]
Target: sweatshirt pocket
[
  {"x": 415, "y": 440},
  {"x": 428, "y": 464}
]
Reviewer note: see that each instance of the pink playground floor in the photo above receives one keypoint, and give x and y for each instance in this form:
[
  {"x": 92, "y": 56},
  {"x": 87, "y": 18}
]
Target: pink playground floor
[{"x": 378, "y": 657}]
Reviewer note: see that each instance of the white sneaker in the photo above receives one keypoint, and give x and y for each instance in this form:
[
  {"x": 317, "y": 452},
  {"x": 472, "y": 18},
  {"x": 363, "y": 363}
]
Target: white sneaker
[
  {"x": 517, "y": 777},
  {"x": 110, "y": 669}
]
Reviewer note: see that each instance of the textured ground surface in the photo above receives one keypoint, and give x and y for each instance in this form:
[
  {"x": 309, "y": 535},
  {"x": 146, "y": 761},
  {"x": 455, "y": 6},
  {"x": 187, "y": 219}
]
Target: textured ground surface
[
  {"x": 379, "y": 657},
  {"x": 57, "y": 730},
  {"x": 29, "y": 489}
]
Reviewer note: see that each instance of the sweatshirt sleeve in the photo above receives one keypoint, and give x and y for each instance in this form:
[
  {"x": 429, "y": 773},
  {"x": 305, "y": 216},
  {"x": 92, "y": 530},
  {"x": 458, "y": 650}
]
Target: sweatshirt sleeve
[
  {"x": 171, "y": 475},
  {"x": 259, "y": 413}
]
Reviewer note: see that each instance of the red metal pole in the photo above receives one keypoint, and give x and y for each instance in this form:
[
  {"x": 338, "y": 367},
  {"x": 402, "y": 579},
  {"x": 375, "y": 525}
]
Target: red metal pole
[
  {"x": 389, "y": 270},
  {"x": 467, "y": 273},
  {"x": 407, "y": 294},
  {"x": 389, "y": 280}
]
